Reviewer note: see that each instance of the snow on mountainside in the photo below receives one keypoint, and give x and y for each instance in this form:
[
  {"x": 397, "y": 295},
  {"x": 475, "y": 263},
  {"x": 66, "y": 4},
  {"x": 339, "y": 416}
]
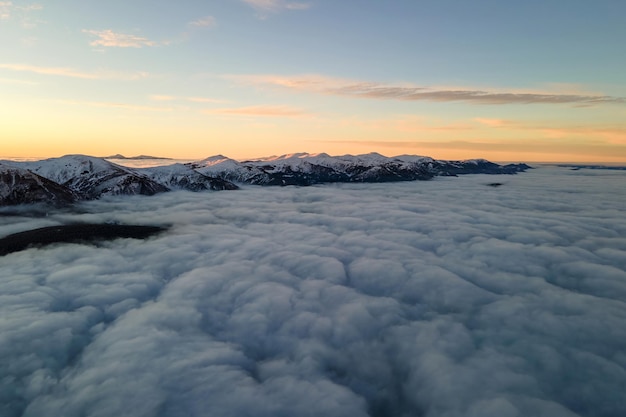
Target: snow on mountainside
[
  {"x": 86, "y": 177},
  {"x": 307, "y": 169},
  {"x": 20, "y": 186},
  {"x": 93, "y": 177},
  {"x": 182, "y": 177}
]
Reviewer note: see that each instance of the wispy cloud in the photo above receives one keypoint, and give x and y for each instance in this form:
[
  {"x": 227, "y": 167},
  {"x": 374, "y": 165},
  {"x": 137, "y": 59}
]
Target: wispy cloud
[
  {"x": 407, "y": 124},
  {"x": 204, "y": 100},
  {"x": 494, "y": 122},
  {"x": 259, "y": 111},
  {"x": 31, "y": 7},
  {"x": 29, "y": 41},
  {"x": 9, "y": 9},
  {"x": 108, "y": 38},
  {"x": 5, "y": 10},
  {"x": 204, "y": 22},
  {"x": 73, "y": 73},
  {"x": 60, "y": 71},
  {"x": 124, "y": 106},
  {"x": 380, "y": 91},
  {"x": 537, "y": 146},
  {"x": 610, "y": 133},
  {"x": 159, "y": 97},
  {"x": 273, "y": 6},
  {"x": 14, "y": 81}
]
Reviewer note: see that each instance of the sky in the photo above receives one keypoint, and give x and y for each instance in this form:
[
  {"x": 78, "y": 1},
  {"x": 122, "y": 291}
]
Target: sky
[
  {"x": 268, "y": 301},
  {"x": 539, "y": 80}
]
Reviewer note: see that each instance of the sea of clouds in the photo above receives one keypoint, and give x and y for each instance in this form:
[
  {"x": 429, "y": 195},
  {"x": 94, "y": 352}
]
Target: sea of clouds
[{"x": 441, "y": 298}]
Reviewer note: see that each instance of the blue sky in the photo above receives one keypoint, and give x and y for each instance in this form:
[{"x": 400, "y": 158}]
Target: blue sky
[{"x": 534, "y": 80}]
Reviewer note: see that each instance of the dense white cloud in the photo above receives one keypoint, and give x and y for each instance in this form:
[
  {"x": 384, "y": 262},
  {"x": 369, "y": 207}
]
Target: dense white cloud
[{"x": 438, "y": 298}]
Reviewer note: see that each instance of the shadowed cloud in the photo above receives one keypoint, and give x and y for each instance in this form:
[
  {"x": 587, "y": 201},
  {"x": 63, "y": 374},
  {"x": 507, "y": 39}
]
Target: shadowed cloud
[
  {"x": 371, "y": 90},
  {"x": 377, "y": 91}
]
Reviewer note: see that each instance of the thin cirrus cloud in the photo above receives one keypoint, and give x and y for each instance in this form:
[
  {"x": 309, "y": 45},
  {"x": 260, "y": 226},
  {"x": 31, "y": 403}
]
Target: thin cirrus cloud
[
  {"x": 611, "y": 133},
  {"x": 15, "y": 81},
  {"x": 7, "y": 9},
  {"x": 259, "y": 111},
  {"x": 112, "y": 105},
  {"x": 494, "y": 122},
  {"x": 204, "y": 22},
  {"x": 110, "y": 39},
  {"x": 73, "y": 73},
  {"x": 533, "y": 145},
  {"x": 380, "y": 91},
  {"x": 159, "y": 97},
  {"x": 276, "y": 5}
]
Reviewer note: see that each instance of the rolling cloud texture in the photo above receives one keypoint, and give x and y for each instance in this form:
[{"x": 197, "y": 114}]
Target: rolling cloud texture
[{"x": 441, "y": 298}]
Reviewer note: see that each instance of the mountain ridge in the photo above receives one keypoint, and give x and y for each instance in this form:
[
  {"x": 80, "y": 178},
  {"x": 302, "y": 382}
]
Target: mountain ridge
[
  {"x": 78, "y": 177},
  {"x": 307, "y": 169}
]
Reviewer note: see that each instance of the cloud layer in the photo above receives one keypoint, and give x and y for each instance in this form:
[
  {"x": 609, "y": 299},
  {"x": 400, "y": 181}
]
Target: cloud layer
[
  {"x": 371, "y": 90},
  {"x": 441, "y": 298}
]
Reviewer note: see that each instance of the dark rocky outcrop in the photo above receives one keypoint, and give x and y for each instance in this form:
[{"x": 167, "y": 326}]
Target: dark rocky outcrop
[
  {"x": 74, "y": 233},
  {"x": 20, "y": 186}
]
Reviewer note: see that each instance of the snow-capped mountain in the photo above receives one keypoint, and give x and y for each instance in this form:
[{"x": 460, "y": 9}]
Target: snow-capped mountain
[
  {"x": 81, "y": 177},
  {"x": 92, "y": 177},
  {"x": 21, "y": 186},
  {"x": 307, "y": 169},
  {"x": 73, "y": 177},
  {"x": 182, "y": 177}
]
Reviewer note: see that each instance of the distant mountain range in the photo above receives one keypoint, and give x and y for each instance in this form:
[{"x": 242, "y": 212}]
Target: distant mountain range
[
  {"x": 576, "y": 167},
  {"x": 308, "y": 169},
  {"x": 120, "y": 156},
  {"x": 80, "y": 177}
]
